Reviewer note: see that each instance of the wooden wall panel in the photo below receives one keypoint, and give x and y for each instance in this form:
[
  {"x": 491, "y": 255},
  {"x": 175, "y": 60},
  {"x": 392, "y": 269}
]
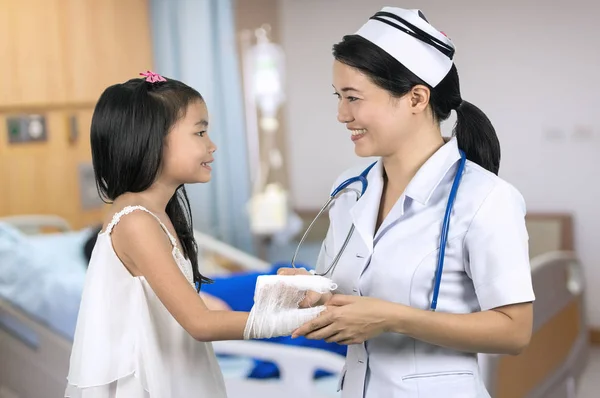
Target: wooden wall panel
[
  {"x": 32, "y": 67},
  {"x": 57, "y": 58}
]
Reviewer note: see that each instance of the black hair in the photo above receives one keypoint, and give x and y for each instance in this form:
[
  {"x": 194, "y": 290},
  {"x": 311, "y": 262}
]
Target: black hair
[
  {"x": 473, "y": 130},
  {"x": 129, "y": 126}
]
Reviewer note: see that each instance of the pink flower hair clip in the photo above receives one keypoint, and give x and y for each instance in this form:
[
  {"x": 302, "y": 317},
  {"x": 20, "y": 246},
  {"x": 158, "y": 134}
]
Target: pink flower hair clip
[{"x": 152, "y": 77}]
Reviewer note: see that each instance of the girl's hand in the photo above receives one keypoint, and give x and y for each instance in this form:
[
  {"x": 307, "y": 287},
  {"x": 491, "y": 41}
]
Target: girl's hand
[{"x": 312, "y": 299}]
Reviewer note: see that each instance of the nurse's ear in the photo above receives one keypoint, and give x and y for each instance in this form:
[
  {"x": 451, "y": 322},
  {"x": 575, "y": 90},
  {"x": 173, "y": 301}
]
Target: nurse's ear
[{"x": 419, "y": 98}]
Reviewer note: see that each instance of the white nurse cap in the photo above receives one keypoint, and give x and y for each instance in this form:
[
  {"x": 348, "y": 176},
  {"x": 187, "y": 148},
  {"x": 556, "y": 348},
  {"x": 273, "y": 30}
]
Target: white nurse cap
[{"x": 407, "y": 36}]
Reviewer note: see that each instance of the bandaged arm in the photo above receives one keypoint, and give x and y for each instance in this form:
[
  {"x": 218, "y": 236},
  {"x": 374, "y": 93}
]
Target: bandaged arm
[
  {"x": 138, "y": 232},
  {"x": 276, "y": 300}
]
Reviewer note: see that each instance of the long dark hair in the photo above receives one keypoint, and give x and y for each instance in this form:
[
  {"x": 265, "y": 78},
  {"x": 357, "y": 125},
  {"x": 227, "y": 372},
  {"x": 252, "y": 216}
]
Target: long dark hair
[
  {"x": 129, "y": 126},
  {"x": 473, "y": 130}
]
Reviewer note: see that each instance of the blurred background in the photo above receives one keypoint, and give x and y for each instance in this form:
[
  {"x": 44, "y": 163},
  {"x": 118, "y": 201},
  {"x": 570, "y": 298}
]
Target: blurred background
[{"x": 264, "y": 68}]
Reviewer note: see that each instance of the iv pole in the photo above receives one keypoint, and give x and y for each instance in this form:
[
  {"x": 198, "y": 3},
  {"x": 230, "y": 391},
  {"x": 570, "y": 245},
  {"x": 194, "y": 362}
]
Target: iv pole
[{"x": 263, "y": 66}]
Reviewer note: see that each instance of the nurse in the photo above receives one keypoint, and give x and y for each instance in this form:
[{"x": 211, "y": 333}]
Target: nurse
[{"x": 395, "y": 81}]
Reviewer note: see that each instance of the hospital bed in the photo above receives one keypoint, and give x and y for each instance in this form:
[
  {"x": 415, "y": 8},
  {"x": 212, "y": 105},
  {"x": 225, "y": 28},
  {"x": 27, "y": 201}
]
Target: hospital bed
[
  {"x": 552, "y": 364},
  {"x": 34, "y": 358}
]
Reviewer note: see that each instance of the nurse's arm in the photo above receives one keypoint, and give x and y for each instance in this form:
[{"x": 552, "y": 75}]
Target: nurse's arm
[
  {"x": 502, "y": 330},
  {"x": 497, "y": 260}
]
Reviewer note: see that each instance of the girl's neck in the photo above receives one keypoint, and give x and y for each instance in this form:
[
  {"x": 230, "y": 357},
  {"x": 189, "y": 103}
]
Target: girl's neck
[{"x": 154, "y": 198}]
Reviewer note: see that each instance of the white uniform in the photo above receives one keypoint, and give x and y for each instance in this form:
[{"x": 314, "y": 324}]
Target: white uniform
[{"x": 486, "y": 266}]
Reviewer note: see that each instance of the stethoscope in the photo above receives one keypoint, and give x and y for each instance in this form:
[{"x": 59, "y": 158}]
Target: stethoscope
[{"x": 362, "y": 178}]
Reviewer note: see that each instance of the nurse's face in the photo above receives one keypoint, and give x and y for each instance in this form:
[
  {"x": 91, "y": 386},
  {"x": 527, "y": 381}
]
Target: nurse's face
[{"x": 377, "y": 122}]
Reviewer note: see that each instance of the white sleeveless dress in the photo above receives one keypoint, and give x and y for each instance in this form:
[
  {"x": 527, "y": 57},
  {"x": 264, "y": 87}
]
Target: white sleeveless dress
[{"x": 126, "y": 344}]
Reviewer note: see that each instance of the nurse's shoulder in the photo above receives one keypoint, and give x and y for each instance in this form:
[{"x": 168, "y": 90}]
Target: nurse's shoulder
[
  {"x": 496, "y": 239},
  {"x": 484, "y": 187}
]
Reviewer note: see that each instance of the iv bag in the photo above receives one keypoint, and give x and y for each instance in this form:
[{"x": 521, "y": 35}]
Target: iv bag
[{"x": 267, "y": 60}]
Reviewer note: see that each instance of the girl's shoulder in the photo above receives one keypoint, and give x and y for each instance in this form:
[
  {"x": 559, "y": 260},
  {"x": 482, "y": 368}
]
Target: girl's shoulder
[{"x": 127, "y": 204}]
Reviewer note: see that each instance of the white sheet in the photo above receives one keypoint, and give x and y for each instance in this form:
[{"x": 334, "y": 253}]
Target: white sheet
[{"x": 43, "y": 275}]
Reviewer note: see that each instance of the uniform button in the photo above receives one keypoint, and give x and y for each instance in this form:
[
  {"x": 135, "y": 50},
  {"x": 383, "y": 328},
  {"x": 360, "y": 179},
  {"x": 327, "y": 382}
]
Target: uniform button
[
  {"x": 355, "y": 290},
  {"x": 361, "y": 361}
]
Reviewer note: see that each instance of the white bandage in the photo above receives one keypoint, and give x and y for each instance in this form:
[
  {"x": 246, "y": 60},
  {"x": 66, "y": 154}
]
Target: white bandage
[{"x": 276, "y": 299}]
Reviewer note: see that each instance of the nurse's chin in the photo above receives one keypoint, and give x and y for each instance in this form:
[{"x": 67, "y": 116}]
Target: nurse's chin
[{"x": 364, "y": 151}]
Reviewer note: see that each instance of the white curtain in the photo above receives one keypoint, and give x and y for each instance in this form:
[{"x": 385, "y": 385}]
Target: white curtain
[{"x": 195, "y": 41}]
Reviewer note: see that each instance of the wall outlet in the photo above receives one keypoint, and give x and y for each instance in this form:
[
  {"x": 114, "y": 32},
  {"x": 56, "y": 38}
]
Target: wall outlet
[
  {"x": 583, "y": 133},
  {"x": 26, "y": 128}
]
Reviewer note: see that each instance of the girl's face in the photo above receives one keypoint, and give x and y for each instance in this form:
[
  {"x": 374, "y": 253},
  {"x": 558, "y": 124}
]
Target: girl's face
[{"x": 188, "y": 151}]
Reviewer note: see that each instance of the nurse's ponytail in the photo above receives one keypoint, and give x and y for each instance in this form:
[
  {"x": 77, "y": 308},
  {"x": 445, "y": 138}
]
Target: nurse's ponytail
[
  {"x": 477, "y": 137},
  {"x": 473, "y": 130}
]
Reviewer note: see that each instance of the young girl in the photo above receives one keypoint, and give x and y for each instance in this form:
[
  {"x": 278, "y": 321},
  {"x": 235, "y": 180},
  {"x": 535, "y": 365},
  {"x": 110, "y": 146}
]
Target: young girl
[{"x": 143, "y": 330}]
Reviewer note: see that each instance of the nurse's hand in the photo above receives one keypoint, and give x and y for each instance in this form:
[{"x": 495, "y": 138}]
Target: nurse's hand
[
  {"x": 312, "y": 299},
  {"x": 292, "y": 271},
  {"x": 347, "y": 320}
]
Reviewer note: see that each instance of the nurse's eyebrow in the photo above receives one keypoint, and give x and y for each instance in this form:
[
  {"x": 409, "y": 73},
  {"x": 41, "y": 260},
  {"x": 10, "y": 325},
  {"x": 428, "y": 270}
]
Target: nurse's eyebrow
[
  {"x": 346, "y": 89},
  {"x": 203, "y": 123}
]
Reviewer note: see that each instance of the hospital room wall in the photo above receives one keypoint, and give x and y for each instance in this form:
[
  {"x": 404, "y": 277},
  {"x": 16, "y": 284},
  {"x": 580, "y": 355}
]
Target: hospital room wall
[
  {"x": 57, "y": 57},
  {"x": 531, "y": 66}
]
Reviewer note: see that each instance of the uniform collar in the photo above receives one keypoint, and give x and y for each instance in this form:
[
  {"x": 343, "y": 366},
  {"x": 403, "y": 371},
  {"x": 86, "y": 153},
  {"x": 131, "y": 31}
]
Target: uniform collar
[
  {"x": 421, "y": 187},
  {"x": 364, "y": 212},
  {"x": 433, "y": 171}
]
